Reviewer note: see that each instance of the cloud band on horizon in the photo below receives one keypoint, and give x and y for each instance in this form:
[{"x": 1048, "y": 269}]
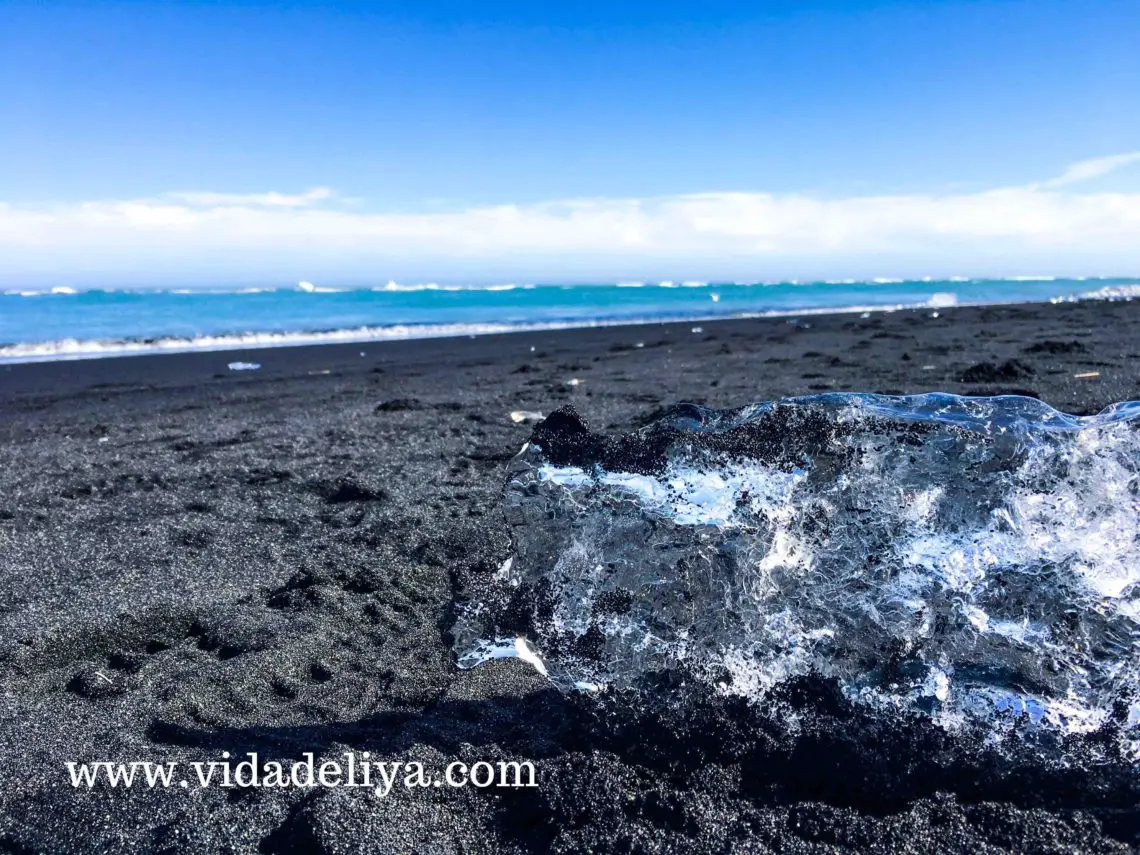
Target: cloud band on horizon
[{"x": 204, "y": 234}]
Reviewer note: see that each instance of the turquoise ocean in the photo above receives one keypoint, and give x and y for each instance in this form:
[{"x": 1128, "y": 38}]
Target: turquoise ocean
[{"x": 65, "y": 323}]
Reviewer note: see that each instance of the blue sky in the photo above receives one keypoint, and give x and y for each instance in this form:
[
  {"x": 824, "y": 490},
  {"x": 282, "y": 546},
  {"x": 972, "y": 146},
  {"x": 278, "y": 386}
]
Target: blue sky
[{"x": 438, "y": 110}]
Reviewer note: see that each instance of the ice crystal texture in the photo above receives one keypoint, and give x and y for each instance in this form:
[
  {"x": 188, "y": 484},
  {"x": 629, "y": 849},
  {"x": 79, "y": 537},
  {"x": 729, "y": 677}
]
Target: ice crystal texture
[{"x": 963, "y": 557}]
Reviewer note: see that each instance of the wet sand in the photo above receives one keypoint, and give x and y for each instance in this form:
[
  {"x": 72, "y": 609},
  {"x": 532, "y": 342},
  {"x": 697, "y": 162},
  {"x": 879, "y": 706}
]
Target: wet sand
[{"x": 196, "y": 560}]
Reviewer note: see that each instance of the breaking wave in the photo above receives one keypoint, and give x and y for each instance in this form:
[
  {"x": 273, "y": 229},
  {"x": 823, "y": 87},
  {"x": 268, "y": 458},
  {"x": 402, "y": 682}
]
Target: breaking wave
[
  {"x": 94, "y": 348},
  {"x": 974, "y": 560}
]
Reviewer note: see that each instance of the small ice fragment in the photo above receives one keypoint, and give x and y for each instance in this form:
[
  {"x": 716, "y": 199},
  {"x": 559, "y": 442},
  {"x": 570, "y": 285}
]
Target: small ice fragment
[
  {"x": 526, "y": 417},
  {"x": 1085, "y": 375},
  {"x": 532, "y": 348},
  {"x": 244, "y": 366},
  {"x": 698, "y": 329},
  {"x": 318, "y": 373},
  {"x": 505, "y": 568},
  {"x": 573, "y": 381},
  {"x": 529, "y": 656},
  {"x": 640, "y": 344},
  {"x": 502, "y": 648},
  {"x": 715, "y": 297},
  {"x": 865, "y": 315},
  {"x": 934, "y": 314},
  {"x": 929, "y": 367}
]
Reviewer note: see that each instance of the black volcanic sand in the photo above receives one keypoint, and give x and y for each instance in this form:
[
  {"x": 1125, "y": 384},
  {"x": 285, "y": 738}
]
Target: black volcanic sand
[{"x": 195, "y": 560}]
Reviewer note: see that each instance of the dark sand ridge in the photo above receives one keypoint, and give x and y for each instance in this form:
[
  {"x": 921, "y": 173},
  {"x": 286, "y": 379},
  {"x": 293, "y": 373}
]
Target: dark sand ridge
[{"x": 195, "y": 560}]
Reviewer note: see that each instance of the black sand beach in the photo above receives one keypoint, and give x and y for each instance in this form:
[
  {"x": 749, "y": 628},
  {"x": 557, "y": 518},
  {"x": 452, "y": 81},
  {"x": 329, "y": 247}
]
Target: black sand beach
[{"x": 196, "y": 560}]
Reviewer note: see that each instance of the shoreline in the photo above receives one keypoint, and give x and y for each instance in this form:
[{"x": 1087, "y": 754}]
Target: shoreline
[
  {"x": 72, "y": 349},
  {"x": 881, "y": 331},
  {"x": 112, "y": 349}
]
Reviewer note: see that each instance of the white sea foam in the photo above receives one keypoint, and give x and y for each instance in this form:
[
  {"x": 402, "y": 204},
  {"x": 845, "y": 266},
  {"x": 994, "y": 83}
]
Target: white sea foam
[
  {"x": 942, "y": 300},
  {"x": 92, "y": 348},
  {"x": 412, "y": 288},
  {"x": 1113, "y": 292}
]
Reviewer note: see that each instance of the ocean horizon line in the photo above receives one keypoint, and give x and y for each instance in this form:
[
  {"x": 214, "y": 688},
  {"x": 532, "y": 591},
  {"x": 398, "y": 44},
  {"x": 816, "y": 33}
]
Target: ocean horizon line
[{"x": 447, "y": 285}]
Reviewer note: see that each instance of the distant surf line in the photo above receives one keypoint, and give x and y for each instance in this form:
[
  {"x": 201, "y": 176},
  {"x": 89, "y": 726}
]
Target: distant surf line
[{"x": 392, "y": 286}]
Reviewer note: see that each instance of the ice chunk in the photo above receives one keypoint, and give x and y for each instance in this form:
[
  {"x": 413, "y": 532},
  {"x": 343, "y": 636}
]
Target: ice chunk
[
  {"x": 526, "y": 417},
  {"x": 966, "y": 558}
]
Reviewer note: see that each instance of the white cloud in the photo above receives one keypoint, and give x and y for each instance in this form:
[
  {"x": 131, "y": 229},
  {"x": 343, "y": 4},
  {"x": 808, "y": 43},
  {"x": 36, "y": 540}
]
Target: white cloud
[
  {"x": 313, "y": 234},
  {"x": 254, "y": 200},
  {"x": 1093, "y": 168}
]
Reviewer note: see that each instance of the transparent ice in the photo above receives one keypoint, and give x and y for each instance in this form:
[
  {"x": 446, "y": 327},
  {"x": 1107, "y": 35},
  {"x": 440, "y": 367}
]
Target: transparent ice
[{"x": 967, "y": 558}]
